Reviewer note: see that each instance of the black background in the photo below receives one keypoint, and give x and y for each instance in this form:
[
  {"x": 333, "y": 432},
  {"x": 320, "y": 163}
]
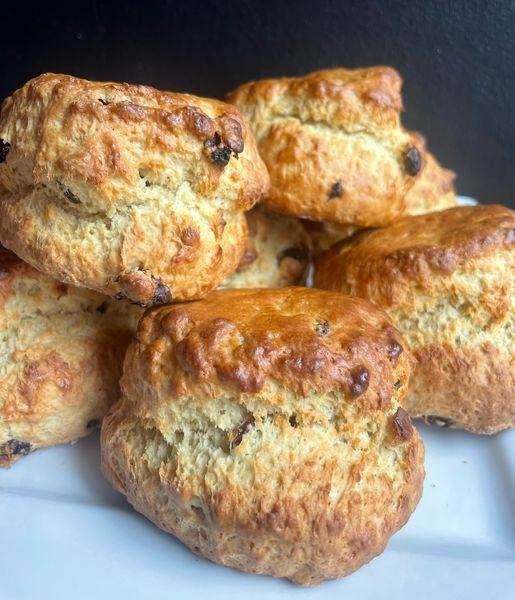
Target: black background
[{"x": 457, "y": 59}]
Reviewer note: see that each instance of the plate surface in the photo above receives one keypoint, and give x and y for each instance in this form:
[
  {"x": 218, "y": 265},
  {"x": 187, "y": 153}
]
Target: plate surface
[{"x": 65, "y": 534}]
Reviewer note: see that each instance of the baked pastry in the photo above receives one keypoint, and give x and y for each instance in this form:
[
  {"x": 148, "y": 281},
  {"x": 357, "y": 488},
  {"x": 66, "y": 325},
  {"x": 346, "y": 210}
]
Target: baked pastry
[
  {"x": 124, "y": 189},
  {"x": 276, "y": 253},
  {"x": 432, "y": 191},
  {"x": 263, "y": 429},
  {"x": 62, "y": 354},
  {"x": 447, "y": 279},
  {"x": 333, "y": 144}
]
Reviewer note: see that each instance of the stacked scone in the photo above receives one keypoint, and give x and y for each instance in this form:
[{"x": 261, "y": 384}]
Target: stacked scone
[{"x": 265, "y": 427}]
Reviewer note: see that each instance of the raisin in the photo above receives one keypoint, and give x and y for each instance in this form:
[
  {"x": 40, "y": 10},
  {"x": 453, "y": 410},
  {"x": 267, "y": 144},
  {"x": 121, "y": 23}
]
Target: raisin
[
  {"x": 397, "y": 385},
  {"x": 393, "y": 350},
  {"x": 71, "y": 197},
  {"x": 322, "y": 327},
  {"x": 221, "y": 156},
  {"x": 102, "y": 308},
  {"x": 299, "y": 254},
  {"x": 360, "y": 381},
  {"x": 412, "y": 160},
  {"x": 14, "y": 448},
  {"x": 402, "y": 424},
  {"x": 62, "y": 289},
  {"x": 68, "y": 194},
  {"x": 213, "y": 142},
  {"x": 236, "y": 435},
  {"x": 219, "y": 153},
  {"x": 336, "y": 190},
  {"x": 4, "y": 150},
  {"x": 294, "y": 422},
  {"x": 162, "y": 294}
]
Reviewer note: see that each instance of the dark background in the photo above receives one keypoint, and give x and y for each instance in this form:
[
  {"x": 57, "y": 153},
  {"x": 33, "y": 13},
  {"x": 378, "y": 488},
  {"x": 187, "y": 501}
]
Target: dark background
[{"x": 457, "y": 59}]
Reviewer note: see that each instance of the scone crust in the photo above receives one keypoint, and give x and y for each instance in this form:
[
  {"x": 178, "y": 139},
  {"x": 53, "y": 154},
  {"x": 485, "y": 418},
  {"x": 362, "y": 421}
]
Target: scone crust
[
  {"x": 447, "y": 279},
  {"x": 483, "y": 401},
  {"x": 270, "y": 455},
  {"x": 385, "y": 265},
  {"x": 62, "y": 358},
  {"x": 125, "y": 189},
  {"x": 432, "y": 191},
  {"x": 277, "y": 252},
  {"x": 333, "y": 144}
]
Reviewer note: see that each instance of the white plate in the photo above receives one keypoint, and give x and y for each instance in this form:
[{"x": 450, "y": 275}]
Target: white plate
[{"x": 65, "y": 534}]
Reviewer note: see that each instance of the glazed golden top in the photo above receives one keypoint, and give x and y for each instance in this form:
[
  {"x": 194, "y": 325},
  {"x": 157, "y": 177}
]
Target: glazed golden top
[
  {"x": 79, "y": 129},
  {"x": 305, "y": 340},
  {"x": 379, "y": 264}
]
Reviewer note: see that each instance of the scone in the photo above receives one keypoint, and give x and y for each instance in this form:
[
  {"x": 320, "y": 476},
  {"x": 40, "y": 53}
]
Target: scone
[
  {"x": 333, "y": 144},
  {"x": 447, "y": 279},
  {"x": 433, "y": 190},
  {"x": 276, "y": 254},
  {"x": 124, "y": 189},
  {"x": 263, "y": 429},
  {"x": 62, "y": 355}
]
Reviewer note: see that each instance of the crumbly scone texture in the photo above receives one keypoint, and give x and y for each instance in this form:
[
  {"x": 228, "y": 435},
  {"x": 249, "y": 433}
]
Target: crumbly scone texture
[
  {"x": 263, "y": 429},
  {"x": 124, "y": 189},
  {"x": 277, "y": 252},
  {"x": 447, "y": 279},
  {"x": 333, "y": 144},
  {"x": 61, "y": 359},
  {"x": 432, "y": 191}
]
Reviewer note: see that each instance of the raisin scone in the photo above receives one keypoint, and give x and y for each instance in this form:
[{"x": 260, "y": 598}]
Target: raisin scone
[
  {"x": 124, "y": 189},
  {"x": 61, "y": 359},
  {"x": 263, "y": 429},
  {"x": 334, "y": 144},
  {"x": 447, "y": 280}
]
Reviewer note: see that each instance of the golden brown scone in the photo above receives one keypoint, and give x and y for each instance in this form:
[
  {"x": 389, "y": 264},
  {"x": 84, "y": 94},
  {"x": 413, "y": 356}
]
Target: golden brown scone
[
  {"x": 263, "y": 429},
  {"x": 124, "y": 189},
  {"x": 276, "y": 253},
  {"x": 447, "y": 279},
  {"x": 333, "y": 144},
  {"x": 62, "y": 355},
  {"x": 432, "y": 191}
]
